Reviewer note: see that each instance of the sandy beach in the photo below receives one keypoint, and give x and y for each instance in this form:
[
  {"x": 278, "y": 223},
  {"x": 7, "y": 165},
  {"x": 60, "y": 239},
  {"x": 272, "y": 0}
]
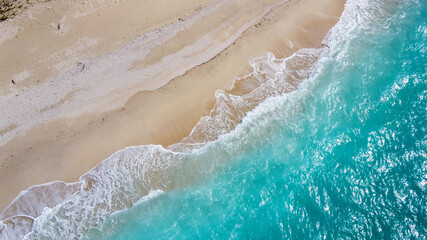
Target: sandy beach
[{"x": 80, "y": 80}]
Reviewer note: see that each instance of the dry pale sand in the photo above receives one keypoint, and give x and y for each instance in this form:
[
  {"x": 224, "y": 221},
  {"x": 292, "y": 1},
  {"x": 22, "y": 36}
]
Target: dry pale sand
[{"x": 92, "y": 78}]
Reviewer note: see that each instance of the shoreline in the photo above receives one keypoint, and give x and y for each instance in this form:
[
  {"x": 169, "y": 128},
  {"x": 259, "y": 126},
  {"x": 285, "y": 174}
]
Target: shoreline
[{"x": 67, "y": 148}]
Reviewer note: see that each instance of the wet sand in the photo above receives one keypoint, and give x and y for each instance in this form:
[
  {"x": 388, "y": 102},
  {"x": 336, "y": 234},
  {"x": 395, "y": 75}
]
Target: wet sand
[{"x": 96, "y": 81}]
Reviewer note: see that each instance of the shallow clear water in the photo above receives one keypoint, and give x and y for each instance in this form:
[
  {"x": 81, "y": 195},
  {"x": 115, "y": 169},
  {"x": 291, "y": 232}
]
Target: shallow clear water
[{"x": 344, "y": 156}]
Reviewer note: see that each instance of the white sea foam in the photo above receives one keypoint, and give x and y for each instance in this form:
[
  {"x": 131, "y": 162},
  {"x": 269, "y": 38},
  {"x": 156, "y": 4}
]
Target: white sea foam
[
  {"x": 152, "y": 194},
  {"x": 17, "y": 218},
  {"x": 15, "y": 227},
  {"x": 135, "y": 174},
  {"x": 32, "y": 201}
]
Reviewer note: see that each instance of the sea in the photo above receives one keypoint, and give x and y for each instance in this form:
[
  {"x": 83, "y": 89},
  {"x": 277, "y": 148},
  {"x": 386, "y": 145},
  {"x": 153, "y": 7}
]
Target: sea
[{"x": 329, "y": 143}]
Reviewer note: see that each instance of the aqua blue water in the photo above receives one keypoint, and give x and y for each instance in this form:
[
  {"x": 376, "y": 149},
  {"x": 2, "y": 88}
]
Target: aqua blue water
[
  {"x": 346, "y": 160},
  {"x": 343, "y": 157}
]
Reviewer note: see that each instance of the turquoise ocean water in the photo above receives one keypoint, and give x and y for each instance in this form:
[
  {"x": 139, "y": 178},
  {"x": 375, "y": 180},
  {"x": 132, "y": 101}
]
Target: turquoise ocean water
[{"x": 344, "y": 156}]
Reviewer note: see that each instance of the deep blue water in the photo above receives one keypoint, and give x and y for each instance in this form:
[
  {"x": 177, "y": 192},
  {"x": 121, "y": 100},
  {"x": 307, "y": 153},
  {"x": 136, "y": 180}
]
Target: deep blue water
[{"x": 343, "y": 157}]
